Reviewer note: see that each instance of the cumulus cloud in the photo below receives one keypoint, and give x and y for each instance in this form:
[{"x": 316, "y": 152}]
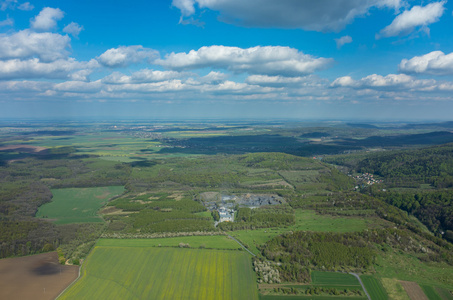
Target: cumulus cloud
[
  {"x": 269, "y": 60},
  {"x": 390, "y": 82},
  {"x": 434, "y": 63},
  {"x": 124, "y": 56},
  {"x": 185, "y": 6},
  {"x": 26, "y": 6},
  {"x": 319, "y": 15},
  {"x": 73, "y": 28},
  {"x": 343, "y": 40},
  {"x": 5, "y": 4},
  {"x": 7, "y": 22},
  {"x": 26, "y": 44},
  {"x": 142, "y": 76},
  {"x": 33, "y": 68},
  {"x": 47, "y": 19},
  {"x": 417, "y": 16},
  {"x": 279, "y": 81}
]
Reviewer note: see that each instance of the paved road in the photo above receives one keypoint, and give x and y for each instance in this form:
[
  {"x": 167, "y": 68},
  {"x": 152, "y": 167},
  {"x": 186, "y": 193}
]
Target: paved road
[
  {"x": 241, "y": 245},
  {"x": 361, "y": 283}
]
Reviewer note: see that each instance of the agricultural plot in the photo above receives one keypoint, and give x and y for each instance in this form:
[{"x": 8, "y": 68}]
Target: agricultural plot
[
  {"x": 77, "y": 205},
  {"x": 374, "y": 288},
  {"x": 332, "y": 279},
  {"x": 306, "y": 220},
  {"x": 286, "y": 297},
  {"x": 118, "y": 272},
  {"x": 430, "y": 292},
  {"x": 209, "y": 242}
]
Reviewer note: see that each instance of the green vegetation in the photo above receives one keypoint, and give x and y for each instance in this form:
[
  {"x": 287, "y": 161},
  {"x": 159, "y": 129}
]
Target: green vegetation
[
  {"x": 208, "y": 242},
  {"x": 164, "y": 273},
  {"x": 77, "y": 205},
  {"x": 374, "y": 287},
  {"x": 430, "y": 292},
  {"x": 331, "y": 278}
]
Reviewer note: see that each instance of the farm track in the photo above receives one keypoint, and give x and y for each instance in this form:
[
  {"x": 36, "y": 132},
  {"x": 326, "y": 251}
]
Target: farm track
[{"x": 361, "y": 283}]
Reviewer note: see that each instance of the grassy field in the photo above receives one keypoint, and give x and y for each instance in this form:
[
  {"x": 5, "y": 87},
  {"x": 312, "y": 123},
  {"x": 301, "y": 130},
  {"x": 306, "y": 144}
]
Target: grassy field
[
  {"x": 209, "y": 242},
  {"x": 374, "y": 288},
  {"x": 284, "y": 297},
  {"x": 118, "y": 272},
  {"x": 332, "y": 279},
  {"x": 394, "y": 289},
  {"x": 430, "y": 292},
  {"x": 77, "y": 205},
  {"x": 306, "y": 220}
]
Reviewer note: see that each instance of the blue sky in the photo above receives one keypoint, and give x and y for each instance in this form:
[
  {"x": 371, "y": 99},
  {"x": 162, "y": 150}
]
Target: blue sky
[{"x": 188, "y": 59}]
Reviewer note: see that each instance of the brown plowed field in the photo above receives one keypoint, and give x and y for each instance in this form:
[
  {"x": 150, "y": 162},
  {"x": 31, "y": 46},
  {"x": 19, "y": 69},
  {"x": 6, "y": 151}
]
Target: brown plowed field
[
  {"x": 37, "y": 277},
  {"x": 414, "y": 291},
  {"x": 23, "y": 148}
]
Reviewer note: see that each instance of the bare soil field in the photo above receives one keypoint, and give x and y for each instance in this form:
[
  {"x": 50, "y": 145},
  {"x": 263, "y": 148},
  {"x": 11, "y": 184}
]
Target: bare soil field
[
  {"x": 23, "y": 148},
  {"x": 38, "y": 277},
  {"x": 414, "y": 291}
]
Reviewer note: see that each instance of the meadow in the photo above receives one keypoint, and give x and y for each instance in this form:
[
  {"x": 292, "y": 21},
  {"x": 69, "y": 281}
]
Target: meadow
[
  {"x": 208, "y": 242},
  {"x": 164, "y": 273},
  {"x": 77, "y": 205},
  {"x": 307, "y": 220}
]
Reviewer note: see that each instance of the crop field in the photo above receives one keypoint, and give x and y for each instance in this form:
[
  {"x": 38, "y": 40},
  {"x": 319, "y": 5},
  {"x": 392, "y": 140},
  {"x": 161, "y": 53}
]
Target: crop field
[
  {"x": 118, "y": 272},
  {"x": 374, "y": 288},
  {"x": 39, "y": 277},
  {"x": 430, "y": 292},
  {"x": 77, "y": 205},
  {"x": 413, "y": 290},
  {"x": 332, "y": 279},
  {"x": 287, "y": 297},
  {"x": 209, "y": 242}
]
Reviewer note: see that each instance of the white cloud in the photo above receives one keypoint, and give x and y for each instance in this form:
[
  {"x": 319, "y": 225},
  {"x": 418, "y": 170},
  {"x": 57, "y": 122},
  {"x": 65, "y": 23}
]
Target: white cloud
[
  {"x": 185, "y": 6},
  {"x": 5, "y": 4},
  {"x": 417, "y": 16},
  {"x": 343, "y": 40},
  {"x": 47, "y": 19},
  {"x": 26, "y": 44},
  {"x": 434, "y": 63},
  {"x": 319, "y": 15},
  {"x": 279, "y": 81},
  {"x": 26, "y": 6},
  {"x": 74, "y": 29},
  {"x": 390, "y": 82},
  {"x": 7, "y": 22},
  {"x": 124, "y": 56},
  {"x": 269, "y": 60},
  {"x": 142, "y": 76},
  {"x": 214, "y": 77},
  {"x": 33, "y": 68}
]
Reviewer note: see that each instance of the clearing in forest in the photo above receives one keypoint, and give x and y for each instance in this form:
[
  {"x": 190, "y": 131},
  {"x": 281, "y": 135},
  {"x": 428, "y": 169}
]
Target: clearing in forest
[
  {"x": 77, "y": 205},
  {"x": 164, "y": 273}
]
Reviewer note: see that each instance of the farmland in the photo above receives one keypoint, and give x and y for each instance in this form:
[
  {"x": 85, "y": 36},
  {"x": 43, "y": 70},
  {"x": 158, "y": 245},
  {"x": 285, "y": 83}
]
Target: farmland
[
  {"x": 374, "y": 288},
  {"x": 164, "y": 273},
  {"x": 38, "y": 277},
  {"x": 77, "y": 205}
]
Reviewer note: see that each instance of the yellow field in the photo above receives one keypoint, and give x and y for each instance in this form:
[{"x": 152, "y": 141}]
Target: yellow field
[{"x": 164, "y": 273}]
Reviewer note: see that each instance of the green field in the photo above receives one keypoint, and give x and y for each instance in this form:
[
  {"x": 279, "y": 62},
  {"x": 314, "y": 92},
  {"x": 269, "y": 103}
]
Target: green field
[
  {"x": 209, "y": 242},
  {"x": 430, "y": 292},
  {"x": 285, "y": 297},
  {"x": 77, "y": 205},
  {"x": 118, "y": 272},
  {"x": 374, "y": 288},
  {"x": 306, "y": 220},
  {"x": 333, "y": 278}
]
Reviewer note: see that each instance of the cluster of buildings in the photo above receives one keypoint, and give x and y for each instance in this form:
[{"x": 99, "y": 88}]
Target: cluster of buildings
[{"x": 365, "y": 179}]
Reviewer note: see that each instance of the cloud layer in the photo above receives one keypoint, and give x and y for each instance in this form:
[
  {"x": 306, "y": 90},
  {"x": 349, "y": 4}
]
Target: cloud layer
[
  {"x": 319, "y": 15},
  {"x": 269, "y": 60},
  {"x": 433, "y": 63}
]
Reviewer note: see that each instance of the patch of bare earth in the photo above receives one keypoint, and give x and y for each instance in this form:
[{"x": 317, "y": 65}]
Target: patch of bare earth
[
  {"x": 38, "y": 277},
  {"x": 112, "y": 210},
  {"x": 23, "y": 148},
  {"x": 414, "y": 291}
]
